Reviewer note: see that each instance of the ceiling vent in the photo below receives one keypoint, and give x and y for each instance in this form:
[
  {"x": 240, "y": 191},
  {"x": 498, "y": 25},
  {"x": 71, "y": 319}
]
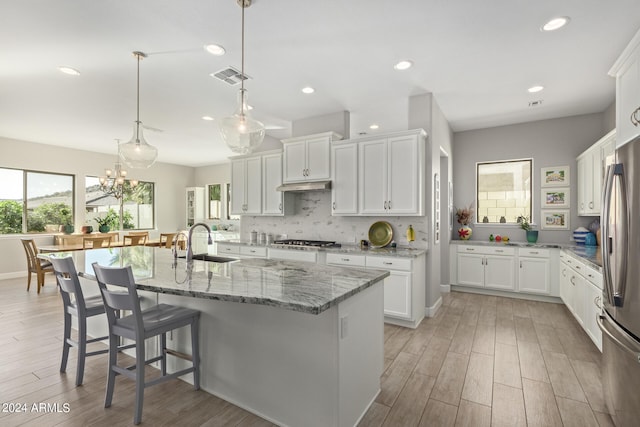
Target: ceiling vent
[
  {"x": 230, "y": 75},
  {"x": 535, "y": 103}
]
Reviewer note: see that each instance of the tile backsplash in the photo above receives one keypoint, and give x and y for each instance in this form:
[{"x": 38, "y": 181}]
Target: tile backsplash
[{"x": 312, "y": 220}]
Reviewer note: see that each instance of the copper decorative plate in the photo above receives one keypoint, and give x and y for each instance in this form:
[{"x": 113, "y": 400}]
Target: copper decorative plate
[{"x": 380, "y": 234}]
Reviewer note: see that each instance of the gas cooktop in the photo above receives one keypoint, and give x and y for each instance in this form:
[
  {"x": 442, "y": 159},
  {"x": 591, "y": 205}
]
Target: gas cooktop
[{"x": 311, "y": 243}]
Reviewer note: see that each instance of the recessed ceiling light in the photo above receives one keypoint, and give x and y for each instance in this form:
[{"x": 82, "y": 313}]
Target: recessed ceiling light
[
  {"x": 215, "y": 49},
  {"x": 249, "y": 107},
  {"x": 555, "y": 23},
  {"x": 69, "y": 70},
  {"x": 403, "y": 65},
  {"x": 374, "y": 126},
  {"x": 208, "y": 118},
  {"x": 534, "y": 89},
  {"x": 308, "y": 89}
]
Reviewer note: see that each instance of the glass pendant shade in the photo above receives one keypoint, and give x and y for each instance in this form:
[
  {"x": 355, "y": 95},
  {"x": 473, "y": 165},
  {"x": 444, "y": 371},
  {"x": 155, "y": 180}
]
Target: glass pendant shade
[
  {"x": 240, "y": 132},
  {"x": 138, "y": 153}
]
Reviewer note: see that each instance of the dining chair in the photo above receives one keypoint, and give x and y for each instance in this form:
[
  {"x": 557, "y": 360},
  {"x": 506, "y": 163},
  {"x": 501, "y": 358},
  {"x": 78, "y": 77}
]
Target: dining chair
[
  {"x": 96, "y": 242},
  {"x": 76, "y": 305},
  {"x": 35, "y": 264},
  {"x": 139, "y": 326},
  {"x": 166, "y": 239},
  {"x": 137, "y": 239}
]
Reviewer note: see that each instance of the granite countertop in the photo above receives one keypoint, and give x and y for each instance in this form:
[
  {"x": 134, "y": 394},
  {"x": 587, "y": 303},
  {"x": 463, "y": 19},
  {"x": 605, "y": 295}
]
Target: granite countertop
[
  {"x": 591, "y": 255},
  {"x": 509, "y": 243},
  {"x": 401, "y": 251},
  {"x": 292, "y": 285}
]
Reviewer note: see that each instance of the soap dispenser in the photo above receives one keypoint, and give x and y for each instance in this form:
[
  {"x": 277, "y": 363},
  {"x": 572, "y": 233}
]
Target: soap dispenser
[{"x": 411, "y": 235}]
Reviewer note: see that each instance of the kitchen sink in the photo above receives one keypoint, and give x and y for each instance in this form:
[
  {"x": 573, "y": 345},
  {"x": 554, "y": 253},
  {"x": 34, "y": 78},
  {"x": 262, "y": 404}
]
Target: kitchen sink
[{"x": 210, "y": 258}]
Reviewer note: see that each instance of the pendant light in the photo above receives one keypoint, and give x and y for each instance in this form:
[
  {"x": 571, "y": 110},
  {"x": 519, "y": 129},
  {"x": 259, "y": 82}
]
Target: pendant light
[
  {"x": 138, "y": 153},
  {"x": 112, "y": 183},
  {"x": 240, "y": 132}
]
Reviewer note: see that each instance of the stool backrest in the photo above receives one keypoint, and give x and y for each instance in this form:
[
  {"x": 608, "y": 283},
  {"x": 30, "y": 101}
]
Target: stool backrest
[
  {"x": 116, "y": 299},
  {"x": 135, "y": 239},
  {"x": 96, "y": 242},
  {"x": 67, "y": 277},
  {"x": 31, "y": 251}
]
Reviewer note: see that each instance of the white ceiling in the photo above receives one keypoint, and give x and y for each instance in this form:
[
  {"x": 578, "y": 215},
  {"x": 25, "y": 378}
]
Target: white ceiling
[{"x": 476, "y": 57}]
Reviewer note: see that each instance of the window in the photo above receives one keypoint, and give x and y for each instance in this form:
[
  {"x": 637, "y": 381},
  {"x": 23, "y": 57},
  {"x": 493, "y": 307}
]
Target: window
[
  {"x": 503, "y": 191},
  {"x": 136, "y": 206},
  {"x": 215, "y": 200},
  {"x": 35, "y": 202}
]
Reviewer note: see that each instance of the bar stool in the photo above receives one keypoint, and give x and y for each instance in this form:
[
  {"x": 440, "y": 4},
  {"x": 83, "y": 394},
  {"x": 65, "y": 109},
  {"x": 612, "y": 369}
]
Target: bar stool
[
  {"x": 140, "y": 325},
  {"x": 166, "y": 239},
  {"x": 35, "y": 264},
  {"x": 75, "y": 304},
  {"x": 138, "y": 239},
  {"x": 96, "y": 242}
]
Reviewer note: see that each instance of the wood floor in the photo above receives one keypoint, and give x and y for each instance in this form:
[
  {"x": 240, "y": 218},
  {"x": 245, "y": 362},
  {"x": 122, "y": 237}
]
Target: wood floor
[{"x": 481, "y": 361}]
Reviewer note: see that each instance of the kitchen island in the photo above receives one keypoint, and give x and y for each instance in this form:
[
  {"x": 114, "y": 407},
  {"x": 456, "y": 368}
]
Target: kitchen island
[{"x": 296, "y": 343}]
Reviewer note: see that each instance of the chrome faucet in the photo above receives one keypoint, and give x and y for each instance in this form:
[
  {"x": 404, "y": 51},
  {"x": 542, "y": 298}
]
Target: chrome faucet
[
  {"x": 174, "y": 244},
  {"x": 190, "y": 236}
]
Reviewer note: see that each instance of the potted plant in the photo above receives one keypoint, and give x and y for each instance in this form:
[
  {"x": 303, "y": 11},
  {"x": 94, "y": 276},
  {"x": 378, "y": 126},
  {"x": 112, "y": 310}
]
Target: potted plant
[
  {"x": 525, "y": 224},
  {"x": 66, "y": 217},
  {"x": 103, "y": 223},
  {"x": 464, "y": 216}
]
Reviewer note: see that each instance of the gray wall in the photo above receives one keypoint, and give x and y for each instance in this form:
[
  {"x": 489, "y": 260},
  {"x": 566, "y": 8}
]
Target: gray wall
[
  {"x": 555, "y": 142},
  {"x": 170, "y": 183},
  {"x": 609, "y": 118}
]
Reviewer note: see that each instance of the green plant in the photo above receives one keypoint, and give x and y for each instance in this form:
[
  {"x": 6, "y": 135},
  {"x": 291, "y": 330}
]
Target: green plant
[
  {"x": 65, "y": 216},
  {"x": 525, "y": 222},
  {"x": 110, "y": 219}
]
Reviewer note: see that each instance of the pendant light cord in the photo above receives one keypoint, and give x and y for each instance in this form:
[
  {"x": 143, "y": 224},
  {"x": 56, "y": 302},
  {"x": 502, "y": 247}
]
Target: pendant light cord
[
  {"x": 242, "y": 60},
  {"x": 138, "y": 55}
]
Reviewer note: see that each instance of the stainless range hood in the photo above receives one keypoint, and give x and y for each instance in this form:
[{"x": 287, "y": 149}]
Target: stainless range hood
[{"x": 305, "y": 186}]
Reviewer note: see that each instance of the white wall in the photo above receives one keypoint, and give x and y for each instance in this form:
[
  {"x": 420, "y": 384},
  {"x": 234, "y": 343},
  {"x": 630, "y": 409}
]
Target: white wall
[
  {"x": 554, "y": 142},
  {"x": 170, "y": 183}
]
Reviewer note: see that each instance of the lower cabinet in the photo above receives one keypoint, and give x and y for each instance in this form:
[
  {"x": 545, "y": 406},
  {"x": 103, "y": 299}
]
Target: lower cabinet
[
  {"x": 534, "y": 271},
  {"x": 486, "y": 267}
]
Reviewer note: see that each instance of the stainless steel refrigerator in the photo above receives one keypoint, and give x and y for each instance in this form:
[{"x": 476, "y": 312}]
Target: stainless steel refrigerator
[{"x": 620, "y": 319}]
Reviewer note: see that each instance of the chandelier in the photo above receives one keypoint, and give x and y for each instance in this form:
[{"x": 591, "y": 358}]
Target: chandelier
[
  {"x": 240, "y": 132},
  {"x": 138, "y": 153},
  {"x": 112, "y": 184}
]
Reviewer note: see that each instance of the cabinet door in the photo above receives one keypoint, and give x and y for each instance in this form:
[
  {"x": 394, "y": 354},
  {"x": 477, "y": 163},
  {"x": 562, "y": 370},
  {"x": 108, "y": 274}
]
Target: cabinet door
[
  {"x": 597, "y": 177},
  {"x": 318, "y": 159},
  {"x": 253, "y": 186},
  {"x": 373, "y": 177},
  {"x": 583, "y": 185},
  {"x": 238, "y": 186},
  {"x": 579, "y": 288},
  {"x": 533, "y": 275},
  {"x": 271, "y": 178},
  {"x": 566, "y": 288},
  {"x": 627, "y": 102},
  {"x": 294, "y": 159},
  {"x": 592, "y": 301},
  {"x": 499, "y": 272},
  {"x": 471, "y": 270},
  {"x": 403, "y": 175},
  {"x": 397, "y": 295},
  {"x": 344, "y": 179}
]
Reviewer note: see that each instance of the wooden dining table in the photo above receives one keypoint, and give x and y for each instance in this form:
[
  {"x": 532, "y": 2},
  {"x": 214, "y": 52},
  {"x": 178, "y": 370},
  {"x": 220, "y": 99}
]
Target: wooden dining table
[{"x": 79, "y": 246}]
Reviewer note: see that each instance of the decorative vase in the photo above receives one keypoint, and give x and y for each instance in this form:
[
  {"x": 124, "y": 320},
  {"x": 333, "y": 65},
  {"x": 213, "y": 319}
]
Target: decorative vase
[
  {"x": 104, "y": 229},
  {"x": 532, "y": 236},
  {"x": 86, "y": 229},
  {"x": 68, "y": 229},
  {"x": 465, "y": 232}
]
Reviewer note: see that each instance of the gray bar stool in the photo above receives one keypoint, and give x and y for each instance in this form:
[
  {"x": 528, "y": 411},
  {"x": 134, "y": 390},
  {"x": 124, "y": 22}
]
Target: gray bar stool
[
  {"x": 140, "y": 325},
  {"x": 75, "y": 304}
]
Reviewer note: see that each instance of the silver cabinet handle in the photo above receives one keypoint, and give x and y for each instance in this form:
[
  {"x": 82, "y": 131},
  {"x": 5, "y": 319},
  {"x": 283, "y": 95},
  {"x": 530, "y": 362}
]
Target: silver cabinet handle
[
  {"x": 571, "y": 280},
  {"x": 387, "y": 263},
  {"x": 385, "y": 205},
  {"x": 520, "y": 264},
  {"x": 564, "y": 272},
  {"x": 334, "y": 206},
  {"x": 590, "y": 205},
  {"x": 469, "y": 249},
  {"x": 389, "y": 204},
  {"x": 534, "y": 252},
  {"x": 345, "y": 259},
  {"x": 634, "y": 119},
  {"x": 578, "y": 267},
  {"x": 280, "y": 207},
  {"x": 499, "y": 250},
  {"x": 596, "y": 301}
]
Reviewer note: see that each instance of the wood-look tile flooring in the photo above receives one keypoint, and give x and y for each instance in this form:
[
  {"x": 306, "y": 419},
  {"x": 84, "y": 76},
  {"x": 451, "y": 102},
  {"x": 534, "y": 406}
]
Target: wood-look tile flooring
[
  {"x": 481, "y": 361},
  {"x": 491, "y": 361}
]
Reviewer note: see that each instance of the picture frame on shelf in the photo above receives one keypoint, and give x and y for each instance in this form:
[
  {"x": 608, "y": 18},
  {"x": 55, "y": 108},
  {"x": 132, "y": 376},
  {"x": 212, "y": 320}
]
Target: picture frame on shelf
[
  {"x": 555, "y": 197},
  {"x": 555, "y": 176},
  {"x": 557, "y": 219}
]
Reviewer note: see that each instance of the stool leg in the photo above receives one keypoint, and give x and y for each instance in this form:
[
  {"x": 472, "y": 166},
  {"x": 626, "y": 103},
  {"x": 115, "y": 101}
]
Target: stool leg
[
  {"x": 140, "y": 365},
  {"x": 163, "y": 348},
  {"x": 65, "y": 342},
  {"x": 195, "y": 352},
  {"x": 82, "y": 349},
  {"x": 111, "y": 375},
  {"x": 28, "y": 281}
]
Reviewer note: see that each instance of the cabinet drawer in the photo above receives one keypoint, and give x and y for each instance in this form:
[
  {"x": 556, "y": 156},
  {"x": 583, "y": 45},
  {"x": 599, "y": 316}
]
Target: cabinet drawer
[
  {"x": 293, "y": 255},
  {"x": 228, "y": 249},
  {"x": 486, "y": 250},
  {"x": 593, "y": 276},
  {"x": 534, "y": 252},
  {"x": 253, "y": 251},
  {"x": 346, "y": 259},
  {"x": 388, "y": 263}
]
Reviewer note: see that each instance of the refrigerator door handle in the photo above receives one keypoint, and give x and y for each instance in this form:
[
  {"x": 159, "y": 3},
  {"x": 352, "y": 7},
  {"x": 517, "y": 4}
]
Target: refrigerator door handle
[{"x": 601, "y": 318}]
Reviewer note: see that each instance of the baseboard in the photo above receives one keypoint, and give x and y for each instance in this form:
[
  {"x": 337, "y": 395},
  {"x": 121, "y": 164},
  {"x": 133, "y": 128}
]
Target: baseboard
[
  {"x": 445, "y": 289},
  {"x": 518, "y": 295},
  {"x": 13, "y": 275},
  {"x": 431, "y": 311}
]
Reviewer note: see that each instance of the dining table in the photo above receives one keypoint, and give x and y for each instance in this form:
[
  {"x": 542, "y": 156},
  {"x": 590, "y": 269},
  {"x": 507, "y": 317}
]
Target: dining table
[{"x": 79, "y": 247}]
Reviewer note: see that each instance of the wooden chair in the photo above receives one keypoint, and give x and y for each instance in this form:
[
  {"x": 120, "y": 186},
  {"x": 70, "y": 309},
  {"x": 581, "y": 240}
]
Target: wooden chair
[
  {"x": 136, "y": 238},
  {"x": 96, "y": 242},
  {"x": 166, "y": 239},
  {"x": 35, "y": 264},
  {"x": 138, "y": 326}
]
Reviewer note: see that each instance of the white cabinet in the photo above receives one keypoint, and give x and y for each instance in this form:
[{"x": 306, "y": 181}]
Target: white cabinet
[
  {"x": 592, "y": 309},
  {"x": 241, "y": 251},
  {"x": 391, "y": 175},
  {"x": 246, "y": 186},
  {"x": 195, "y": 205},
  {"x": 626, "y": 70},
  {"x": 534, "y": 271},
  {"x": 344, "y": 179},
  {"x": 293, "y": 255},
  {"x": 486, "y": 267},
  {"x": 591, "y": 169},
  {"x": 308, "y": 158},
  {"x": 274, "y": 202}
]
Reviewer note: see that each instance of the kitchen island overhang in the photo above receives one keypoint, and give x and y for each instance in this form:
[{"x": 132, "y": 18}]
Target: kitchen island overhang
[{"x": 293, "y": 342}]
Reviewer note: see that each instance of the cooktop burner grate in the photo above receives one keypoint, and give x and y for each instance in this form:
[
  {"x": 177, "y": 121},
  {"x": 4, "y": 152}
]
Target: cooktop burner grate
[{"x": 303, "y": 242}]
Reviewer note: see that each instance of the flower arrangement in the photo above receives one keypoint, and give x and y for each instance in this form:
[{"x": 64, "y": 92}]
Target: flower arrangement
[
  {"x": 525, "y": 222},
  {"x": 464, "y": 215}
]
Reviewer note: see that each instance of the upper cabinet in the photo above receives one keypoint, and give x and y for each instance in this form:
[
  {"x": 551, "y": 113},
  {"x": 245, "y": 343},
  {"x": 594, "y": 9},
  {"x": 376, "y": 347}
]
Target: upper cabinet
[
  {"x": 195, "y": 205},
  {"x": 344, "y": 179},
  {"x": 626, "y": 70},
  {"x": 591, "y": 169},
  {"x": 308, "y": 158},
  {"x": 273, "y": 201}
]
